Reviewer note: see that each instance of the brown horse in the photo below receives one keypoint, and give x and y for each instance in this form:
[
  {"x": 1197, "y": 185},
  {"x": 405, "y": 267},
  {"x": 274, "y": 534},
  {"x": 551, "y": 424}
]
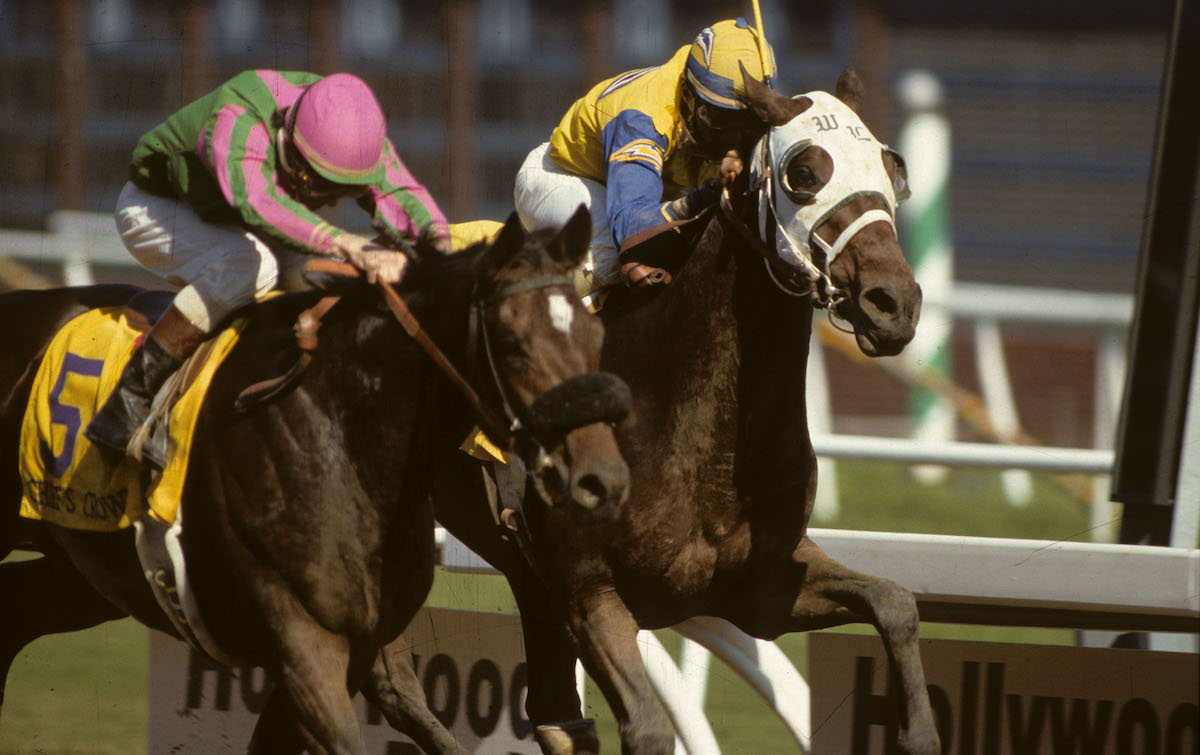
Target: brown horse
[
  {"x": 722, "y": 466},
  {"x": 309, "y": 537}
]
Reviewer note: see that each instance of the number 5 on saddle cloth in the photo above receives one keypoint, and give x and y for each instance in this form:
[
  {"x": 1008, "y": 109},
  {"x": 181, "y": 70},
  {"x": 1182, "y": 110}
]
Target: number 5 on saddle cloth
[{"x": 65, "y": 479}]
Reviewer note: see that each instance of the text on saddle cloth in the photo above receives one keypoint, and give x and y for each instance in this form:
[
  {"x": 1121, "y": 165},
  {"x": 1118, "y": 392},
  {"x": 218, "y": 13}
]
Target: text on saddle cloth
[{"x": 65, "y": 480}]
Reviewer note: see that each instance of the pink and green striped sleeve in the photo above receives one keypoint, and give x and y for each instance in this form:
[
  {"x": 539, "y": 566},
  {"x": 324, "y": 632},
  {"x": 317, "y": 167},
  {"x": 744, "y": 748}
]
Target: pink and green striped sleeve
[
  {"x": 401, "y": 207},
  {"x": 237, "y": 147}
]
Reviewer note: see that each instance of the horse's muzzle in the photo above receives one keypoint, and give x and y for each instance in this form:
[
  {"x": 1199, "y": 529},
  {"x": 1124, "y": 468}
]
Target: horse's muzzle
[{"x": 576, "y": 402}]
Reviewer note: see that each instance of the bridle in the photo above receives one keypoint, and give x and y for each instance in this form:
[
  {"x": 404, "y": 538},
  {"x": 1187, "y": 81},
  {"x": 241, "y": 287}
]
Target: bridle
[
  {"x": 480, "y": 352},
  {"x": 821, "y": 290}
]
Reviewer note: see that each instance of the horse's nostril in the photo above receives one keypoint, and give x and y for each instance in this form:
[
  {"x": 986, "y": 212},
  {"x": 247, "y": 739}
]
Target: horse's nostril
[
  {"x": 591, "y": 488},
  {"x": 881, "y": 300}
]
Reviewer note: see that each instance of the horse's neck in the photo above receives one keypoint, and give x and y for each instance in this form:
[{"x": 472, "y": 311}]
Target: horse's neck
[
  {"x": 680, "y": 348},
  {"x": 368, "y": 370},
  {"x": 721, "y": 330},
  {"x": 774, "y": 456}
]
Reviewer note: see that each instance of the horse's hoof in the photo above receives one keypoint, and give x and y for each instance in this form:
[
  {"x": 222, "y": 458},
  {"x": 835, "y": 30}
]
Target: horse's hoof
[{"x": 569, "y": 738}]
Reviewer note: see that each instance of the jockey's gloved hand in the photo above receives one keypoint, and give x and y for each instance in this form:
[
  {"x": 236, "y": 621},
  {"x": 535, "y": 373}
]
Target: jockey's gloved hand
[
  {"x": 695, "y": 200},
  {"x": 378, "y": 262}
]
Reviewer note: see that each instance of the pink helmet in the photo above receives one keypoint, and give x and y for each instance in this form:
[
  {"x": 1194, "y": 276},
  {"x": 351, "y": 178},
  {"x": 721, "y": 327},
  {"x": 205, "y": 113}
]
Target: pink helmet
[{"x": 338, "y": 126}]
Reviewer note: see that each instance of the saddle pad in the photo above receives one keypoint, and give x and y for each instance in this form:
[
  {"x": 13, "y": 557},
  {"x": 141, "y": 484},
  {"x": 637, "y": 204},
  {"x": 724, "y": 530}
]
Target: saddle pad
[
  {"x": 463, "y": 235},
  {"x": 65, "y": 480}
]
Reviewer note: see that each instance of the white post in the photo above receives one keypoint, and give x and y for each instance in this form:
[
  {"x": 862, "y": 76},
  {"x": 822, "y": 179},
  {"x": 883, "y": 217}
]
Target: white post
[
  {"x": 693, "y": 734},
  {"x": 1110, "y": 377},
  {"x": 997, "y": 396},
  {"x": 924, "y": 142},
  {"x": 764, "y": 667}
]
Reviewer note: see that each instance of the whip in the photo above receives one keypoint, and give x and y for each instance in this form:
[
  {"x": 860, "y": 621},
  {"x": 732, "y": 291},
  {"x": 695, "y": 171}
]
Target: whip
[{"x": 762, "y": 43}]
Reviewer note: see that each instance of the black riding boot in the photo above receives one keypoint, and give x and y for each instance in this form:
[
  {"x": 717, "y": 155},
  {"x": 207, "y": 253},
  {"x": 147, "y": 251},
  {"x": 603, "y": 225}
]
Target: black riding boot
[{"x": 163, "y": 351}]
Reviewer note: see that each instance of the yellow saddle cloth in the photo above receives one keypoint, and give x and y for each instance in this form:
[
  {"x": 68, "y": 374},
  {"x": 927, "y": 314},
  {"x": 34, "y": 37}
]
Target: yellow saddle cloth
[{"x": 67, "y": 481}]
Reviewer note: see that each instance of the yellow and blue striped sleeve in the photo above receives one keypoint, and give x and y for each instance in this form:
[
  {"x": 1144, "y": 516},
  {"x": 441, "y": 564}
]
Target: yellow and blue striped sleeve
[{"x": 635, "y": 154}]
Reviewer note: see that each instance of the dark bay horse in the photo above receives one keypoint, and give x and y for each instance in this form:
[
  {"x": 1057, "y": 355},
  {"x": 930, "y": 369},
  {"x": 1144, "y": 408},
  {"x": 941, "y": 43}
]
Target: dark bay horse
[
  {"x": 309, "y": 536},
  {"x": 722, "y": 466}
]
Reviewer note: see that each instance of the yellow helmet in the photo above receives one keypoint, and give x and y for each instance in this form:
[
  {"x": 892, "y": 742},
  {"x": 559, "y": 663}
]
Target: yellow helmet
[{"x": 712, "y": 64}]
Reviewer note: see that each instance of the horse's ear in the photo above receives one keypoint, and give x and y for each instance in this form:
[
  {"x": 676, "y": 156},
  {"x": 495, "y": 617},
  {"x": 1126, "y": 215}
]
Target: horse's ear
[
  {"x": 771, "y": 107},
  {"x": 850, "y": 89},
  {"x": 508, "y": 244},
  {"x": 570, "y": 245}
]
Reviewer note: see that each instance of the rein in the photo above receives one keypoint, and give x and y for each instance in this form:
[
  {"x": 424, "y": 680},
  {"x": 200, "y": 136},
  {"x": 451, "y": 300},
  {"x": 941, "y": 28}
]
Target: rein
[
  {"x": 477, "y": 332},
  {"x": 399, "y": 309}
]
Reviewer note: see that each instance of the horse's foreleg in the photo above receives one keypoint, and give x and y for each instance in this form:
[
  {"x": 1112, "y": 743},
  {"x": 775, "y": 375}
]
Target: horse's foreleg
[
  {"x": 393, "y": 687},
  {"x": 606, "y": 633},
  {"x": 552, "y": 703},
  {"x": 832, "y": 594},
  {"x": 311, "y": 699},
  {"x": 44, "y": 596}
]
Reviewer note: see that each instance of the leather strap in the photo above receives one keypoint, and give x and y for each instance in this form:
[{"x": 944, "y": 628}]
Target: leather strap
[{"x": 487, "y": 420}]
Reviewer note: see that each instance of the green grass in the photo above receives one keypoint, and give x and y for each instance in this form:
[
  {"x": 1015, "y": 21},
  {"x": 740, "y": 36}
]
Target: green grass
[
  {"x": 86, "y": 692},
  {"x": 79, "y": 694}
]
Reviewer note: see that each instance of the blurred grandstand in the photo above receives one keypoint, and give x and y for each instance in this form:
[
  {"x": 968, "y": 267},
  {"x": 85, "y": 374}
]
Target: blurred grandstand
[{"x": 1052, "y": 106}]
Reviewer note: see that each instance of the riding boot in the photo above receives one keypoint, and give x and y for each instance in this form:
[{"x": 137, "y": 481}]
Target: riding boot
[{"x": 164, "y": 349}]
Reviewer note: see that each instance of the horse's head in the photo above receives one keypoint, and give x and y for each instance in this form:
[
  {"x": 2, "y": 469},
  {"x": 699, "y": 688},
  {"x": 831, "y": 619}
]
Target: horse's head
[
  {"x": 827, "y": 195},
  {"x": 543, "y": 349}
]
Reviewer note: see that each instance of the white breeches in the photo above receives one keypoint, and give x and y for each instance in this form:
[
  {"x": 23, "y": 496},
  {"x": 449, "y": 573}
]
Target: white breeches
[
  {"x": 546, "y": 196},
  {"x": 219, "y": 267}
]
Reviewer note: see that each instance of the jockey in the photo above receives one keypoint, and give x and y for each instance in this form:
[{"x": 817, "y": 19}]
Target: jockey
[
  {"x": 648, "y": 146},
  {"x": 232, "y": 176}
]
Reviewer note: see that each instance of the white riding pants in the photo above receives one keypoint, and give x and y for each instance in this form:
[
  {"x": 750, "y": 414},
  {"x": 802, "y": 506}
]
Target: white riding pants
[
  {"x": 546, "y": 196},
  {"x": 219, "y": 267}
]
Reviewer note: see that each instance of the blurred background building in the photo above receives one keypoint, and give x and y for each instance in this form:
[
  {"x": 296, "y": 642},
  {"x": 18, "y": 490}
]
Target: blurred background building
[{"x": 1052, "y": 108}]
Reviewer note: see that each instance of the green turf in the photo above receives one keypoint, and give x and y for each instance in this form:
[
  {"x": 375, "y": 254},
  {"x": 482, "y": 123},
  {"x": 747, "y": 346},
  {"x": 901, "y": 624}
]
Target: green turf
[
  {"x": 86, "y": 692},
  {"x": 79, "y": 694}
]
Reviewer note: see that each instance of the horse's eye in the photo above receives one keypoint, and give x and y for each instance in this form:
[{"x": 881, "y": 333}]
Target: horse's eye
[
  {"x": 800, "y": 183},
  {"x": 899, "y": 174},
  {"x": 800, "y": 176}
]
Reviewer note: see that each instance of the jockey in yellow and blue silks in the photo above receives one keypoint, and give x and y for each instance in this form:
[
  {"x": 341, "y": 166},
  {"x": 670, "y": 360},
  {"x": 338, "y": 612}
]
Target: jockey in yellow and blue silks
[{"x": 646, "y": 147}]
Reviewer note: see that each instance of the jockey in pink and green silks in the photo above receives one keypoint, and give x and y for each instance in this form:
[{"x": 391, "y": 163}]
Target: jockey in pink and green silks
[
  {"x": 222, "y": 184},
  {"x": 647, "y": 147}
]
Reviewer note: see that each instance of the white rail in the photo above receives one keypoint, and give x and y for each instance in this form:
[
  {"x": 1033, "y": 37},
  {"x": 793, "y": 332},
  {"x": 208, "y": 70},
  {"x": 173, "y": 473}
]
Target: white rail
[
  {"x": 975, "y": 580},
  {"x": 1058, "y": 306},
  {"x": 1041, "y": 458}
]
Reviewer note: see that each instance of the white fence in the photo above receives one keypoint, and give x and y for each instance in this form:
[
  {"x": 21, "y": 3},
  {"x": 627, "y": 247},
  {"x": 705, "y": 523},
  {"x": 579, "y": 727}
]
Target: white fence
[
  {"x": 973, "y": 580},
  {"x": 976, "y": 580}
]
